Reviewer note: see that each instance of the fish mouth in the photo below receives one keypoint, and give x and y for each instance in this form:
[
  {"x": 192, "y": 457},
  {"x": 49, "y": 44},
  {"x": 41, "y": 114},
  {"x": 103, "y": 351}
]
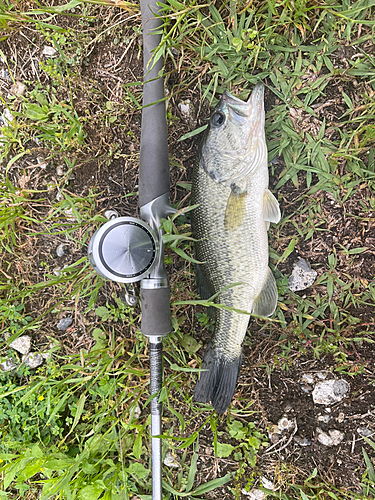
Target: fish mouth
[{"x": 241, "y": 111}]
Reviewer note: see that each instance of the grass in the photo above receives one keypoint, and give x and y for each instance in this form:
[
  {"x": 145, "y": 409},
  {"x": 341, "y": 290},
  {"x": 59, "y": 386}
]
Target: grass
[{"x": 71, "y": 429}]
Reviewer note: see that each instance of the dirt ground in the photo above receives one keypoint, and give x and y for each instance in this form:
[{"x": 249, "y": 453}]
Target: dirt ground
[{"x": 274, "y": 362}]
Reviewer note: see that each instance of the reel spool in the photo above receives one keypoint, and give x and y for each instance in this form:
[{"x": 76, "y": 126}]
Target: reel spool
[{"x": 124, "y": 249}]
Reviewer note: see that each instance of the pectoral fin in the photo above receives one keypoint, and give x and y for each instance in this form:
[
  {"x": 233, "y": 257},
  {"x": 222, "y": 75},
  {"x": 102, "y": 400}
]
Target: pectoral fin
[
  {"x": 235, "y": 211},
  {"x": 266, "y": 302},
  {"x": 271, "y": 209}
]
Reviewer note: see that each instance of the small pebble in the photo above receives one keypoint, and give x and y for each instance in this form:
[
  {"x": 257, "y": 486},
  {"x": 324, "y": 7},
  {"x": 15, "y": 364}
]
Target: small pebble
[
  {"x": 284, "y": 424},
  {"x": 170, "y": 461},
  {"x": 330, "y": 391},
  {"x": 111, "y": 214},
  {"x": 302, "y": 441},
  {"x": 33, "y": 360},
  {"x": 333, "y": 438},
  {"x": 49, "y": 51},
  {"x": 340, "y": 418},
  {"x": 42, "y": 163},
  {"x": 254, "y": 494},
  {"x": 186, "y": 108},
  {"x": 64, "y": 323},
  {"x": 4, "y": 74},
  {"x": 137, "y": 411},
  {"x": 307, "y": 378},
  {"x": 324, "y": 418},
  {"x": 60, "y": 171},
  {"x": 22, "y": 344},
  {"x": 363, "y": 431},
  {"x": 7, "y": 117},
  {"x": 18, "y": 88},
  {"x": 302, "y": 276},
  {"x": 8, "y": 365},
  {"x": 266, "y": 483},
  {"x": 61, "y": 250}
]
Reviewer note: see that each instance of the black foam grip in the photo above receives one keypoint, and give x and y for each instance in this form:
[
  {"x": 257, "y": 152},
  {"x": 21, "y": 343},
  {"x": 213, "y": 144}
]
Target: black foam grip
[
  {"x": 154, "y": 162},
  {"x": 155, "y": 311}
]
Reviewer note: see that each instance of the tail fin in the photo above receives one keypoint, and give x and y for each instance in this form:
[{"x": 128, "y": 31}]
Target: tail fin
[{"x": 218, "y": 382}]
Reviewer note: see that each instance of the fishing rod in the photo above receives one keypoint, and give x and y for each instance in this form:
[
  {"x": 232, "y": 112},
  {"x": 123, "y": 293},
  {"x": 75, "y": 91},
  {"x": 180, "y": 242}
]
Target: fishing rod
[{"x": 127, "y": 250}]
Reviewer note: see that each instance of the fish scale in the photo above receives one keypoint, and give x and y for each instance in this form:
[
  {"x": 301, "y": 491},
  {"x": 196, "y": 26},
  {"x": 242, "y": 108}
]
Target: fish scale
[{"x": 230, "y": 225}]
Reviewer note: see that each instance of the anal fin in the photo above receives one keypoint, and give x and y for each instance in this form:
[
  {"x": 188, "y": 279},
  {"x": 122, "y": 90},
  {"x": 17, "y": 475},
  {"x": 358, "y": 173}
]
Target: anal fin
[
  {"x": 271, "y": 209},
  {"x": 235, "y": 211},
  {"x": 266, "y": 302}
]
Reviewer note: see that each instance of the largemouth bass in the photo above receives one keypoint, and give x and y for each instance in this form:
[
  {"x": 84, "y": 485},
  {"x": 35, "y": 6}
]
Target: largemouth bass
[{"x": 235, "y": 208}]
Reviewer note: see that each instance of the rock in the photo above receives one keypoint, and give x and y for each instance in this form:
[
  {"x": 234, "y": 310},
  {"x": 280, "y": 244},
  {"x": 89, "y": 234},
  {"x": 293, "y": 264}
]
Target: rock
[
  {"x": 111, "y": 214},
  {"x": 18, "y": 88},
  {"x": 61, "y": 250},
  {"x": 49, "y": 51},
  {"x": 363, "y": 431},
  {"x": 330, "y": 391},
  {"x": 4, "y": 73},
  {"x": 324, "y": 418},
  {"x": 137, "y": 411},
  {"x": 42, "y": 163},
  {"x": 186, "y": 109},
  {"x": 170, "y": 461},
  {"x": 254, "y": 494},
  {"x": 60, "y": 171},
  {"x": 333, "y": 438},
  {"x": 22, "y": 344},
  {"x": 8, "y": 365},
  {"x": 302, "y": 441},
  {"x": 6, "y": 117},
  {"x": 340, "y": 418},
  {"x": 285, "y": 425},
  {"x": 307, "y": 378},
  {"x": 64, "y": 323},
  {"x": 266, "y": 483},
  {"x": 302, "y": 276},
  {"x": 33, "y": 360}
]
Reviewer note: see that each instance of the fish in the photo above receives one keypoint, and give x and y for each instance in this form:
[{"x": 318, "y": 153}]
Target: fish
[{"x": 230, "y": 223}]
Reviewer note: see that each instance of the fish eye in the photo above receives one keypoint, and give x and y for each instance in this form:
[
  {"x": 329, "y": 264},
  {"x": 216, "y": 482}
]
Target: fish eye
[{"x": 217, "y": 119}]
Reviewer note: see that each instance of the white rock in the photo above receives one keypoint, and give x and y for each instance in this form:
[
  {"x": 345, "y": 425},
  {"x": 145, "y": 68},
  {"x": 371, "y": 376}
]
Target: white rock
[
  {"x": 49, "y": 51},
  {"x": 302, "y": 441},
  {"x": 7, "y": 117},
  {"x": 61, "y": 250},
  {"x": 267, "y": 483},
  {"x": 186, "y": 108},
  {"x": 363, "y": 431},
  {"x": 340, "y": 418},
  {"x": 42, "y": 163},
  {"x": 137, "y": 411},
  {"x": 324, "y": 418},
  {"x": 333, "y": 438},
  {"x": 22, "y": 344},
  {"x": 111, "y": 214},
  {"x": 33, "y": 360},
  {"x": 307, "y": 378},
  {"x": 330, "y": 391},
  {"x": 254, "y": 494},
  {"x": 60, "y": 171},
  {"x": 8, "y": 365},
  {"x": 170, "y": 461},
  {"x": 302, "y": 276},
  {"x": 284, "y": 424},
  {"x": 18, "y": 88}
]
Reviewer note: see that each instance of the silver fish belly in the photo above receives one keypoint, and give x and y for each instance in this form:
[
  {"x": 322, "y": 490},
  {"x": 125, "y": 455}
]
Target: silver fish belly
[{"x": 235, "y": 207}]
